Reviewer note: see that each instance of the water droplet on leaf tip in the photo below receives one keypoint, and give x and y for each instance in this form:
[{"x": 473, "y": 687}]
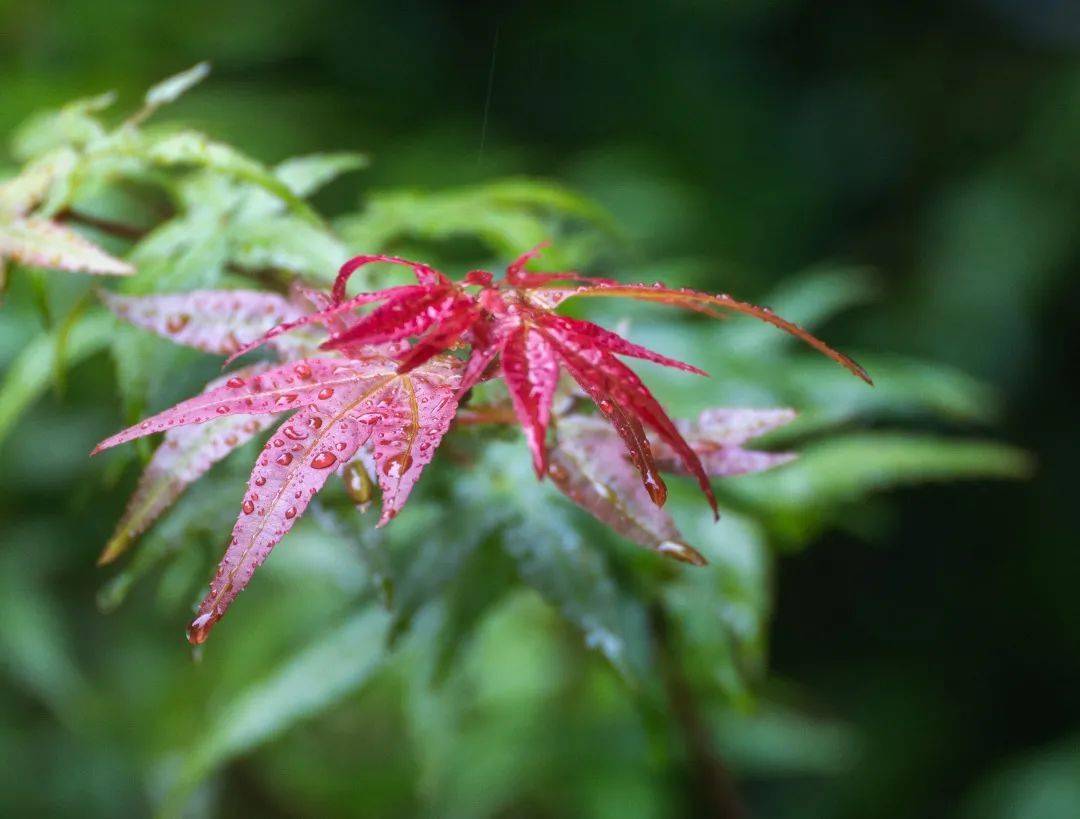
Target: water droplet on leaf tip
[{"x": 682, "y": 551}]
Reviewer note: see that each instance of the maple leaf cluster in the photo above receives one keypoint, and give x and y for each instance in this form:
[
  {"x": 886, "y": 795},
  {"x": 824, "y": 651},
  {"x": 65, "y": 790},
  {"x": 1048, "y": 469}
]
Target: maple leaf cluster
[{"x": 374, "y": 393}]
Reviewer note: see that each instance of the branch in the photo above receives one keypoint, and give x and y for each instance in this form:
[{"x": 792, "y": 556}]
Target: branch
[
  {"x": 713, "y": 787},
  {"x": 117, "y": 229}
]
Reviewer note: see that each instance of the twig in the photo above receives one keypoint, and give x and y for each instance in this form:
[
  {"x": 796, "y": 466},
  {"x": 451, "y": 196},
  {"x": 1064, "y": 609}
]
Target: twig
[
  {"x": 117, "y": 229},
  {"x": 714, "y": 789}
]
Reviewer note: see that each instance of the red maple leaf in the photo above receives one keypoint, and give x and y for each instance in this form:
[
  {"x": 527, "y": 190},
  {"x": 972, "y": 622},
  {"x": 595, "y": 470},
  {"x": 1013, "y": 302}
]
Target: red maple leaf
[
  {"x": 513, "y": 320},
  {"x": 346, "y": 409},
  {"x": 384, "y": 395}
]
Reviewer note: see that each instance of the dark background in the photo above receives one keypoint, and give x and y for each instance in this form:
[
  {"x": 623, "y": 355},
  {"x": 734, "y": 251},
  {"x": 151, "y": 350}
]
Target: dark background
[{"x": 936, "y": 142}]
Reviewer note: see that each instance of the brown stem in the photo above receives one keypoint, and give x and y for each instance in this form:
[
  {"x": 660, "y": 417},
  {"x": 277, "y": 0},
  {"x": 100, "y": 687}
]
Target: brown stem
[
  {"x": 118, "y": 229},
  {"x": 713, "y": 788}
]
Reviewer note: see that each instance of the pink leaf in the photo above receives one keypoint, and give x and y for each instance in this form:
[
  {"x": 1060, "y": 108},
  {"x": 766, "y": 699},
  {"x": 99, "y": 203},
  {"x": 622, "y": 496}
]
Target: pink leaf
[
  {"x": 589, "y": 466},
  {"x": 185, "y": 454},
  {"x": 407, "y": 314},
  {"x": 707, "y": 302},
  {"x": 587, "y": 333},
  {"x": 425, "y": 275},
  {"x": 214, "y": 321},
  {"x": 627, "y": 402},
  {"x": 531, "y": 371},
  {"x": 404, "y": 417},
  {"x": 717, "y": 435},
  {"x": 295, "y": 464},
  {"x": 282, "y": 388},
  {"x": 408, "y": 423},
  {"x": 335, "y": 317}
]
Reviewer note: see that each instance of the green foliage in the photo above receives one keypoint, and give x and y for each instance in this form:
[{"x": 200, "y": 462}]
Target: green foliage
[{"x": 507, "y": 611}]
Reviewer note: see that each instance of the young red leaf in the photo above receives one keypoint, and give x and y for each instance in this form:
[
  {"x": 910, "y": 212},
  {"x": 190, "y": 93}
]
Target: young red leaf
[
  {"x": 621, "y": 395},
  {"x": 408, "y": 423},
  {"x": 335, "y": 317},
  {"x": 185, "y": 454},
  {"x": 407, "y": 314},
  {"x": 705, "y": 302},
  {"x": 531, "y": 371},
  {"x": 404, "y": 416},
  {"x": 585, "y": 333},
  {"x": 214, "y": 321},
  {"x": 425, "y": 275},
  {"x": 279, "y": 389},
  {"x": 717, "y": 437},
  {"x": 291, "y": 469},
  {"x": 589, "y": 466}
]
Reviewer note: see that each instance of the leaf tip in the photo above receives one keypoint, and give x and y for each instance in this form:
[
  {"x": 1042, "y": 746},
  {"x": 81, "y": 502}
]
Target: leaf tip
[
  {"x": 116, "y": 546},
  {"x": 682, "y": 551},
  {"x": 199, "y": 628}
]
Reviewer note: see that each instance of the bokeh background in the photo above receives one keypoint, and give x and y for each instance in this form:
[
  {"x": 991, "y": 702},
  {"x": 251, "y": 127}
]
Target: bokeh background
[{"x": 934, "y": 142}]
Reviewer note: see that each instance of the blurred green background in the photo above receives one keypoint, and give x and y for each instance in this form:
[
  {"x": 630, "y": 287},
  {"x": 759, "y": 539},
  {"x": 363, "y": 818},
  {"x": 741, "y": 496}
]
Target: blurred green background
[{"x": 933, "y": 142}]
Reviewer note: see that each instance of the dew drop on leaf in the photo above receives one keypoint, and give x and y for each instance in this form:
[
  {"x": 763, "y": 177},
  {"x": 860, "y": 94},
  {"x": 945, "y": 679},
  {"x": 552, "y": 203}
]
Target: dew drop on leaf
[
  {"x": 176, "y": 323},
  {"x": 199, "y": 628},
  {"x": 324, "y": 460},
  {"x": 682, "y": 551}
]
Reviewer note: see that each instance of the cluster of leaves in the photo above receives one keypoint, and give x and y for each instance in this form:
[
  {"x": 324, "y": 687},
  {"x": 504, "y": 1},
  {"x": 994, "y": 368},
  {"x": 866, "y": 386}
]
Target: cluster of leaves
[
  {"x": 384, "y": 402},
  {"x": 219, "y": 243}
]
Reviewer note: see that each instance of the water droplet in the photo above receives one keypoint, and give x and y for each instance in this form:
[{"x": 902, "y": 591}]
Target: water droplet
[
  {"x": 314, "y": 422},
  {"x": 235, "y": 382},
  {"x": 557, "y": 472},
  {"x": 290, "y": 513},
  {"x": 605, "y": 406},
  {"x": 174, "y": 324},
  {"x": 325, "y": 393},
  {"x": 342, "y": 446},
  {"x": 284, "y": 459},
  {"x": 278, "y": 442},
  {"x": 248, "y": 507},
  {"x": 302, "y": 370},
  {"x": 199, "y": 628},
  {"x": 654, "y": 485},
  {"x": 396, "y": 464},
  {"x": 260, "y": 481},
  {"x": 294, "y": 434},
  {"x": 324, "y": 460},
  {"x": 682, "y": 551},
  {"x": 222, "y": 410}
]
